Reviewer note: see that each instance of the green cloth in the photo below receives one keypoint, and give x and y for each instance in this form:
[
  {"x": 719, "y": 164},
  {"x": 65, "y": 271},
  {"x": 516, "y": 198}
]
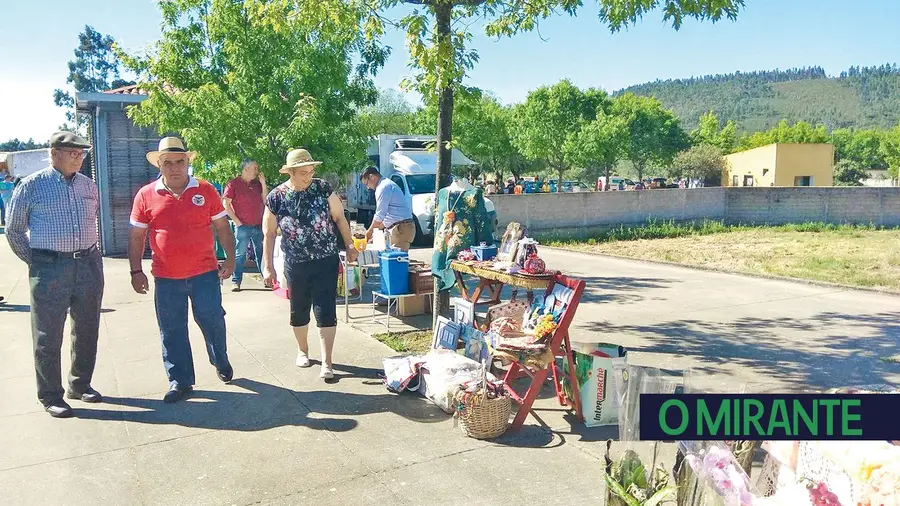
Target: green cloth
[{"x": 461, "y": 221}]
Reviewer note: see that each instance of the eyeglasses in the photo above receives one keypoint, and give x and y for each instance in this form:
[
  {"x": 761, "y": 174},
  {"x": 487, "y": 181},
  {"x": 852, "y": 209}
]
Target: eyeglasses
[{"x": 75, "y": 153}]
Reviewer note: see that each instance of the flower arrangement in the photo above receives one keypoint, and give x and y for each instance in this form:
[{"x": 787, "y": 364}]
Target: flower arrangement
[
  {"x": 716, "y": 464},
  {"x": 821, "y": 495},
  {"x": 630, "y": 484},
  {"x": 545, "y": 327},
  {"x": 883, "y": 487}
]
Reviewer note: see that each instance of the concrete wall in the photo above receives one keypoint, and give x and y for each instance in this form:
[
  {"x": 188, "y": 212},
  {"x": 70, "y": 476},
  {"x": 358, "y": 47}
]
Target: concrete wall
[
  {"x": 584, "y": 212},
  {"x": 880, "y": 206},
  {"x": 815, "y": 160},
  {"x": 592, "y": 210}
]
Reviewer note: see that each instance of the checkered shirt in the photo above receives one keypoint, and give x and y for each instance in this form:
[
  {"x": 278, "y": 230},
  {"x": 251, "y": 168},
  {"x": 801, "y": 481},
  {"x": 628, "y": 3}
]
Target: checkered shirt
[{"x": 58, "y": 215}]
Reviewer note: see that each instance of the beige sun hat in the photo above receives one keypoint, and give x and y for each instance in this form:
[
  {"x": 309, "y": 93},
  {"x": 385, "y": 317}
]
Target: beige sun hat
[
  {"x": 169, "y": 145},
  {"x": 296, "y": 159}
]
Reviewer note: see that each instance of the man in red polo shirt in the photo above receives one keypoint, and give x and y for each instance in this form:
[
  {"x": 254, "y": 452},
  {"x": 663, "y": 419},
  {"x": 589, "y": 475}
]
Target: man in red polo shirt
[
  {"x": 244, "y": 200},
  {"x": 177, "y": 211}
]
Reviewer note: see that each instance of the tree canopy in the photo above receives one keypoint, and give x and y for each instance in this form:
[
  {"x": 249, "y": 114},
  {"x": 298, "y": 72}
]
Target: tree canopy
[
  {"x": 254, "y": 79},
  {"x": 95, "y": 68},
  {"x": 654, "y": 133}
]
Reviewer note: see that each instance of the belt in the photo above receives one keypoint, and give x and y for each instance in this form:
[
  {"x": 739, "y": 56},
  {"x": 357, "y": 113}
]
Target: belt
[
  {"x": 398, "y": 224},
  {"x": 66, "y": 254}
]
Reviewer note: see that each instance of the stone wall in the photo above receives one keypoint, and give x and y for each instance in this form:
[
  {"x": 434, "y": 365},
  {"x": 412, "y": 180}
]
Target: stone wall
[{"x": 583, "y": 212}]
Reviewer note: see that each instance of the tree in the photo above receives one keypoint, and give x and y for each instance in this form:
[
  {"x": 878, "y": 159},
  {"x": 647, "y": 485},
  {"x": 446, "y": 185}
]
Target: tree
[
  {"x": 890, "y": 150},
  {"x": 545, "y": 125},
  {"x": 863, "y": 147},
  {"x": 483, "y": 127},
  {"x": 17, "y": 145},
  {"x": 710, "y": 131},
  {"x": 800, "y": 133},
  {"x": 654, "y": 133},
  {"x": 703, "y": 161},
  {"x": 849, "y": 173},
  {"x": 391, "y": 114},
  {"x": 95, "y": 68},
  {"x": 598, "y": 146},
  {"x": 256, "y": 78},
  {"x": 440, "y": 55}
]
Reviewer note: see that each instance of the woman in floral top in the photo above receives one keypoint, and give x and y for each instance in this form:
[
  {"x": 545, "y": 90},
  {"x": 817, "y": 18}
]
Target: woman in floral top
[{"x": 312, "y": 222}]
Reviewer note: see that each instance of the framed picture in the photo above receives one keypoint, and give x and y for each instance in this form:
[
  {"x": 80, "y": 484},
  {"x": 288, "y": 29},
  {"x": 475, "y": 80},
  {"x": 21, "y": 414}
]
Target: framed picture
[
  {"x": 509, "y": 242},
  {"x": 463, "y": 312},
  {"x": 446, "y": 334},
  {"x": 476, "y": 347}
]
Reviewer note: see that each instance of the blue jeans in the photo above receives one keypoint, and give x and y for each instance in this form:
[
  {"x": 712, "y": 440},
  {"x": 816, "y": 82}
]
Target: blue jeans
[
  {"x": 245, "y": 235},
  {"x": 171, "y": 297}
]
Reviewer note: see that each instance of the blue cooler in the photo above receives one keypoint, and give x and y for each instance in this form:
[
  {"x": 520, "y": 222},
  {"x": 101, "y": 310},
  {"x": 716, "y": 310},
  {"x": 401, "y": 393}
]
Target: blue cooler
[
  {"x": 394, "y": 272},
  {"x": 484, "y": 252}
]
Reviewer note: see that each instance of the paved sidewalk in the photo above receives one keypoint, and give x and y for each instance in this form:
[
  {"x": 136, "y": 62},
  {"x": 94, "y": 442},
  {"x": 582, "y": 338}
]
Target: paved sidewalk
[{"x": 277, "y": 435}]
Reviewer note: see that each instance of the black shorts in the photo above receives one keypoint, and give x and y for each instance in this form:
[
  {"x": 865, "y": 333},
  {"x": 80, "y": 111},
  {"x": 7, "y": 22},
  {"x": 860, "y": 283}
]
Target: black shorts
[{"x": 313, "y": 284}]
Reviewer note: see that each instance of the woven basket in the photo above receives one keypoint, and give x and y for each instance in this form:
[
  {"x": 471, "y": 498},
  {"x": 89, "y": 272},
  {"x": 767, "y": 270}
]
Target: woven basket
[{"x": 483, "y": 418}]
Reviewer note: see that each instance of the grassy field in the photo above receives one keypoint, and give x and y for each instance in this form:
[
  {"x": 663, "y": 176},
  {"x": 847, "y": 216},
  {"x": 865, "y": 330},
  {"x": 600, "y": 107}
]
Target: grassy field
[
  {"x": 416, "y": 342},
  {"x": 859, "y": 256}
]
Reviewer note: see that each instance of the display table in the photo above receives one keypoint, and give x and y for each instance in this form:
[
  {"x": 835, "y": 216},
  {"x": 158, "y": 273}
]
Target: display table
[{"x": 494, "y": 280}]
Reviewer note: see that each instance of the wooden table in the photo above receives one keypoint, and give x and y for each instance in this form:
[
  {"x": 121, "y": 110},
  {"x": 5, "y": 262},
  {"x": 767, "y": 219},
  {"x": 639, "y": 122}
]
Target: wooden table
[{"x": 494, "y": 281}]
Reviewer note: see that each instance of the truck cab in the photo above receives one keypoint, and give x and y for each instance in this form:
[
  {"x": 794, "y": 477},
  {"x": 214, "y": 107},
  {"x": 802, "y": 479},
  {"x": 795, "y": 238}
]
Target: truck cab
[{"x": 408, "y": 161}]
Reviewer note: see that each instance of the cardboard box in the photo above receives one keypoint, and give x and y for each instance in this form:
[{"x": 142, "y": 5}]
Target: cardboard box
[{"x": 412, "y": 306}]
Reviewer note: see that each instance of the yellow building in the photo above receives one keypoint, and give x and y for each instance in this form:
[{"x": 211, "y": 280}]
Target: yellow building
[{"x": 781, "y": 165}]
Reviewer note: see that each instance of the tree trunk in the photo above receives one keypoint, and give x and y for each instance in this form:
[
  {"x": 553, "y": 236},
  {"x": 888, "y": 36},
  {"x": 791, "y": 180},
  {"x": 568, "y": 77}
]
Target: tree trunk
[
  {"x": 443, "y": 12},
  {"x": 559, "y": 181},
  {"x": 608, "y": 177}
]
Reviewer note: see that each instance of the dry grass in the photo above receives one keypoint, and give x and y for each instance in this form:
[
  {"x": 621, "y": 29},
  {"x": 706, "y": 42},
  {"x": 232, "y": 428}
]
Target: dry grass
[{"x": 862, "y": 257}]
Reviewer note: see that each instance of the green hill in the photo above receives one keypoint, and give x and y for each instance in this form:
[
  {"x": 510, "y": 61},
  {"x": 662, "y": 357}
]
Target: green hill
[{"x": 860, "y": 97}]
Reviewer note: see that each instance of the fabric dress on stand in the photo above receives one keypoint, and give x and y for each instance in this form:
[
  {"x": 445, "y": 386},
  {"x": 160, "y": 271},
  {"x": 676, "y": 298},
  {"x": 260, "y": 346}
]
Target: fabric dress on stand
[{"x": 461, "y": 221}]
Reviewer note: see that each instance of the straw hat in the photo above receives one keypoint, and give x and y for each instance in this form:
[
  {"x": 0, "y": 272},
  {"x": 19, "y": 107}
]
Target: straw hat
[
  {"x": 298, "y": 158},
  {"x": 169, "y": 145}
]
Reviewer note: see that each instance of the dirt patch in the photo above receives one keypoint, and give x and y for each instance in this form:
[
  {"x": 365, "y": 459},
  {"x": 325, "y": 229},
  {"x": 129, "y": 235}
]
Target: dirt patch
[{"x": 855, "y": 257}]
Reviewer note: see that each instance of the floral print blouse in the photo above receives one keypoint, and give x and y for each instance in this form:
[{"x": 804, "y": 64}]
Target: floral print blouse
[{"x": 307, "y": 231}]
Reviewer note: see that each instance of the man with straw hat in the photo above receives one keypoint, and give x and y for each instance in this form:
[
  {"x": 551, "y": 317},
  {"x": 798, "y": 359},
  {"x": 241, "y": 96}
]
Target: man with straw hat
[
  {"x": 312, "y": 222},
  {"x": 177, "y": 211},
  {"x": 53, "y": 228}
]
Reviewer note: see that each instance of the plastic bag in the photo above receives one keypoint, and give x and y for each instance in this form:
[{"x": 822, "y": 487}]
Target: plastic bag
[
  {"x": 348, "y": 279},
  {"x": 443, "y": 371},
  {"x": 714, "y": 464},
  {"x": 631, "y": 381},
  {"x": 402, "y": 373}
]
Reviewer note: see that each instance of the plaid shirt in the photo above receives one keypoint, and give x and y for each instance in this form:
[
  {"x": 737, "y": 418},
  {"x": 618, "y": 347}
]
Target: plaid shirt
[{"x": 59, "y": 215}]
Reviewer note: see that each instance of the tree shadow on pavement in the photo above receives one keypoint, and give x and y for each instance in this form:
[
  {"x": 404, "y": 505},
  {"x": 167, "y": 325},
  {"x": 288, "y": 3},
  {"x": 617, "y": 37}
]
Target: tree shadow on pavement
[
  {"x": 826, "y": 350},
  {"x": 262, "y": 406}
]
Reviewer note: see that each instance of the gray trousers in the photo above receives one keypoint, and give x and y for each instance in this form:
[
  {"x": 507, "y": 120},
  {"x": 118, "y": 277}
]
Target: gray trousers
[{"x": 59, "y": 287}]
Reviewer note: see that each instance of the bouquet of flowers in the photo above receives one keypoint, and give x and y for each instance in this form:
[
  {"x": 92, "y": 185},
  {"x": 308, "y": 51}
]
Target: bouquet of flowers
[
  {"x": 629, "y": 483},
  {"x": 715, "y": 464},
  {"x": 883, "y": 487}
]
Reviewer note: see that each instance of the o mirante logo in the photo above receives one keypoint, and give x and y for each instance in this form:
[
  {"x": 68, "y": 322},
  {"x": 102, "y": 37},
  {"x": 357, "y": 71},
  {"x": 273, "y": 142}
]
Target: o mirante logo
[{"x": 769, "y": 416}]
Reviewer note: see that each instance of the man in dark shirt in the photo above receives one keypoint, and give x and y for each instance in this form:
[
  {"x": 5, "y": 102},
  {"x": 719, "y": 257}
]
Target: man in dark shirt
[{"x": 244, "y": 201}]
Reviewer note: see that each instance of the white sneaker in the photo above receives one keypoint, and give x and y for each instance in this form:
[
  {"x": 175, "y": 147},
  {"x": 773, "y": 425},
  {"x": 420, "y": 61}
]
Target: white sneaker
[
  {"x": 302, "y": 360},
  {"x": 326, "y": 373}
]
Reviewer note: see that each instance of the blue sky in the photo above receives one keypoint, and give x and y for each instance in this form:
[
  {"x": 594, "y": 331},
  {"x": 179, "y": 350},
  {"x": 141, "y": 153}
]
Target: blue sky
[{"x": 38, "y": 38}]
